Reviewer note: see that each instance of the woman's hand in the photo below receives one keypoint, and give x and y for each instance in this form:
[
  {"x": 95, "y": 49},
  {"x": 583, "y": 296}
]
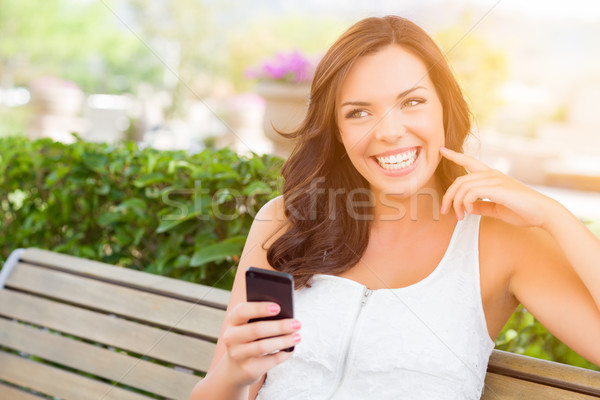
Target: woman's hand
[
  {"x": 253, "y": 348},
  {"x": 488, "y": 192}
]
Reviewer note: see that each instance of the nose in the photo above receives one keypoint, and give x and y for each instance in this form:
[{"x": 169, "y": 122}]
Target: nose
[{"x": 390, "y": 127}]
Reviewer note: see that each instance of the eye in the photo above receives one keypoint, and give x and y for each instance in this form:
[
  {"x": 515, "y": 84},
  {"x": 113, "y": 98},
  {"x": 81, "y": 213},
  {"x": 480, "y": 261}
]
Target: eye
[
  {"x": 413, "y": 102},
  {"x": 356, "y": 113}
]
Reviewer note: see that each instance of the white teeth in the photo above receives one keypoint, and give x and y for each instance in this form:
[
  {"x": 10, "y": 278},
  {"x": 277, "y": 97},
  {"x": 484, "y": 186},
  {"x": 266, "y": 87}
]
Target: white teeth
[{"x": 397, "y": 161}]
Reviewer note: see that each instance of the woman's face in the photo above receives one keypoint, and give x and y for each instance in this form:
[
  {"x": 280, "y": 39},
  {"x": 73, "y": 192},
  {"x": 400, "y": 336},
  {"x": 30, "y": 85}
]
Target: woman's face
[{"x": 391, "y": 121}]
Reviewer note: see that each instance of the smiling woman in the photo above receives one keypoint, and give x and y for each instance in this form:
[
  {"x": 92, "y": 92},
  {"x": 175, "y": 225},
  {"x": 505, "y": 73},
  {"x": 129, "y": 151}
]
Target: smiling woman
[{"x": 408, "y": 256}]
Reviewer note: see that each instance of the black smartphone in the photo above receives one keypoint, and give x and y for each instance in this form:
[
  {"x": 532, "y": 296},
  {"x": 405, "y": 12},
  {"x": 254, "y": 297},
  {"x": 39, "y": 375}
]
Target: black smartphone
[{"x": 273, "y": 286}]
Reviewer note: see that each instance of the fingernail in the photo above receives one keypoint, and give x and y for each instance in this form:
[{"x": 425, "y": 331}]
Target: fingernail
[
  {"x": 296, "y": 337},
  {"x": 296, "y": 324},
  {"x": 274, "y": 308}
]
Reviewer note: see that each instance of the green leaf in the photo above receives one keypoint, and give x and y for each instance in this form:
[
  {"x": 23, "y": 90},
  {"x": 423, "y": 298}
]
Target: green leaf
[
  {"x": 139, "y": 234},
  {"x": 168, "y": 224},
  {"x": 181, "y": 261},
  {"x": 95, "y": 162},
  {"x": 218, "y": 251},
  {"x": 257, "y": 187},
  {"x": 137, "y": 205},
  {"x": 109, "y": 218},
  {"x": 149, "y": 179},
  {"x": 103, "y": 190}
]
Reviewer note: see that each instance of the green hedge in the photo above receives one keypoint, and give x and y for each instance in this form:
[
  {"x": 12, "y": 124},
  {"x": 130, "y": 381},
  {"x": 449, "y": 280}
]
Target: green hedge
[{"x": 164, "y": 212}]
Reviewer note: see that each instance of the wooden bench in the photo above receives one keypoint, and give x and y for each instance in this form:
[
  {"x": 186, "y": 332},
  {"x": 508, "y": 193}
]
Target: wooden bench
[
  {"x": 79, "y": 329},
  {"x": 72, "y": 328}
]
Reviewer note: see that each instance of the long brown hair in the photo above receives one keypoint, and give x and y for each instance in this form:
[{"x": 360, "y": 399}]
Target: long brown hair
[{"x": 324, "y": 235}]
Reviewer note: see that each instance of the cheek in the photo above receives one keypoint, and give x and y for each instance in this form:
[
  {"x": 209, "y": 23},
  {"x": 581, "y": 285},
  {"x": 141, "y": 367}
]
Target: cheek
[
  {"x": 352, "y": 139},
  {"x": 434, "y": 128}
]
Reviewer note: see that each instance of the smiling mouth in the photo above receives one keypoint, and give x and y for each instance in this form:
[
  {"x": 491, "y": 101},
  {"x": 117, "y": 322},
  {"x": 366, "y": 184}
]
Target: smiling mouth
[{"x": 398, "y": 161}]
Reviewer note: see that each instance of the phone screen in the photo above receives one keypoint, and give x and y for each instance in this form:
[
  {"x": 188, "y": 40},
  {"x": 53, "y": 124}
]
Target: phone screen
[{"x": 273, "y": 286}]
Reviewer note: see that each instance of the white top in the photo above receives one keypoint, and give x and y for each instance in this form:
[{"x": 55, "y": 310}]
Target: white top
[{"x": 428, "y": 340}]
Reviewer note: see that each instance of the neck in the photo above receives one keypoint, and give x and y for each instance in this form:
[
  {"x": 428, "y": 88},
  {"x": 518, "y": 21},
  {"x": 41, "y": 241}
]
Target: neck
[{"x": 394, "y": 211}]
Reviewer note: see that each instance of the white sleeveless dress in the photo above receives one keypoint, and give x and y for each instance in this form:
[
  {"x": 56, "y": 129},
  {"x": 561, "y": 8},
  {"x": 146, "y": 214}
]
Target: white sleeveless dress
[{"x": 426, "y": 341}]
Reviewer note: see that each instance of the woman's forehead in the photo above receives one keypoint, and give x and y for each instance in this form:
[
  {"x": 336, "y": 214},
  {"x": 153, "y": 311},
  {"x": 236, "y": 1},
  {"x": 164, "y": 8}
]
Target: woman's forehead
[{"x": 391, "y": 69}]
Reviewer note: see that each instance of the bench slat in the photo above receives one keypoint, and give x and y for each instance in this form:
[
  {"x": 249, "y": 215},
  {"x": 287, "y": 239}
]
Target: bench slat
[
  {"x": 97, "y": 361},
  {"x": 167, "y": 312},
  {"x": 172, "y": 347},
  {"x": 500, "y": 387},
  {"x": 9, "y": 392},
  {"x": 56, "y": 382},
  {"x": 545, "y": 372},
  {"x": 196, "y": 292}
]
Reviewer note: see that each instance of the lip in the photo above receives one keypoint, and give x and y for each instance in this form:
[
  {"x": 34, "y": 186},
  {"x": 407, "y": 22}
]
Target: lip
[{"x": 400, "y": 172}]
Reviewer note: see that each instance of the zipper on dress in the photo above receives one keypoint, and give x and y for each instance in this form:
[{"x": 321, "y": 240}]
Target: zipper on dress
[{"x": 365, "y": 296}]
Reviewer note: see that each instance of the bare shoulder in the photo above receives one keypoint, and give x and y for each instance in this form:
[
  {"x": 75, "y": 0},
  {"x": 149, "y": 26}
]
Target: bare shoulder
[
  {"x": 274, "y": 208},
  {"x": 514, "y": 247},
  {"x": 270, "y": 222}
]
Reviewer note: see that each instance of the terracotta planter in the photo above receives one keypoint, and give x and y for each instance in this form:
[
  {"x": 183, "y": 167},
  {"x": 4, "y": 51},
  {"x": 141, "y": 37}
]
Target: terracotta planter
[
  {"x": 59, "y": 101},
  {"x": 285, "y": 109},
  {"x": 57, "y": 105}
]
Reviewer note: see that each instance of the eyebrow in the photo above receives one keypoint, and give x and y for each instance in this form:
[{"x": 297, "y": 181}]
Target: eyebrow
[{"x": 400, "y": 96}]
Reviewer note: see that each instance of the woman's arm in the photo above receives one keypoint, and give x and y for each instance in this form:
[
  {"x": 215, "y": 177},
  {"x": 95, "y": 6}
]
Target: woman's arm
[
  {"x": 240, "y": 361},
  {"x": 551, "y": 288},
  {"x": 580, "y": 246},
  {"x": 556, "y": 272}
]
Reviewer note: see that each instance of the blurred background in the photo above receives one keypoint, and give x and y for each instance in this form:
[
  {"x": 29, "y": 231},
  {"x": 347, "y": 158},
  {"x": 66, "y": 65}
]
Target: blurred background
[{"x": 191, "y": 74}]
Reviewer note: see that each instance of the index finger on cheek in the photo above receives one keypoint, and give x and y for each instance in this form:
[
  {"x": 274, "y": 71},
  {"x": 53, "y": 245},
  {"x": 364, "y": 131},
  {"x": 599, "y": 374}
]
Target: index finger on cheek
[
  {"x": 452, "y": 155},
  {"x": 470, "y": 163}
]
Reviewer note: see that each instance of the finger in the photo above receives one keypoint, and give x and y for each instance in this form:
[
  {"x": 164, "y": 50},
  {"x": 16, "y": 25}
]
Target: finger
[
  {"x": 484, "y": 207},
  {"x": 470, "y": 190},
  {"x": 472, "y": 199},
  {"x": 262, "y": 329},
  {"x": 456, "y": 186},
  {"x": 470, "y": 163},
  {"x": 476, "y": 195},
  {"x": 246, "y": 311},
  {"x": 263, "y": 347},
  {"x": 265, "y": 363}
]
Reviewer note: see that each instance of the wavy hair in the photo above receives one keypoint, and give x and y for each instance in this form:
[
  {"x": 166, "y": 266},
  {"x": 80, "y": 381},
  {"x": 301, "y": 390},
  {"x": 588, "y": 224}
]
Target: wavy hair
[{"x": 326, "y": 200}]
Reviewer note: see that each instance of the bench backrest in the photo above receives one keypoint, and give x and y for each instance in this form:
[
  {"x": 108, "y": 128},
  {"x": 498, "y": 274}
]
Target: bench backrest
[
  {"x": 78, "y": 329},
  {"x": 512, "y": 376}
]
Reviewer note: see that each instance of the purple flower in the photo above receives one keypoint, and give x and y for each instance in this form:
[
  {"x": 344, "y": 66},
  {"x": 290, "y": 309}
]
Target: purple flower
[{"x": 292, "y": 67}]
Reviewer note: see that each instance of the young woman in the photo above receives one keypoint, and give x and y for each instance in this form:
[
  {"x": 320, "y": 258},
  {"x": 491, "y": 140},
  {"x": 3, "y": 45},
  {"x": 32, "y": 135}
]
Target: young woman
[{"x": 408, "y": 256}]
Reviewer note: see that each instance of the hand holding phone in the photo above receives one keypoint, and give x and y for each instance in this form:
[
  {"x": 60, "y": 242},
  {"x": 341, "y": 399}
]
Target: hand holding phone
[{"x": 272, "y": 286}]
